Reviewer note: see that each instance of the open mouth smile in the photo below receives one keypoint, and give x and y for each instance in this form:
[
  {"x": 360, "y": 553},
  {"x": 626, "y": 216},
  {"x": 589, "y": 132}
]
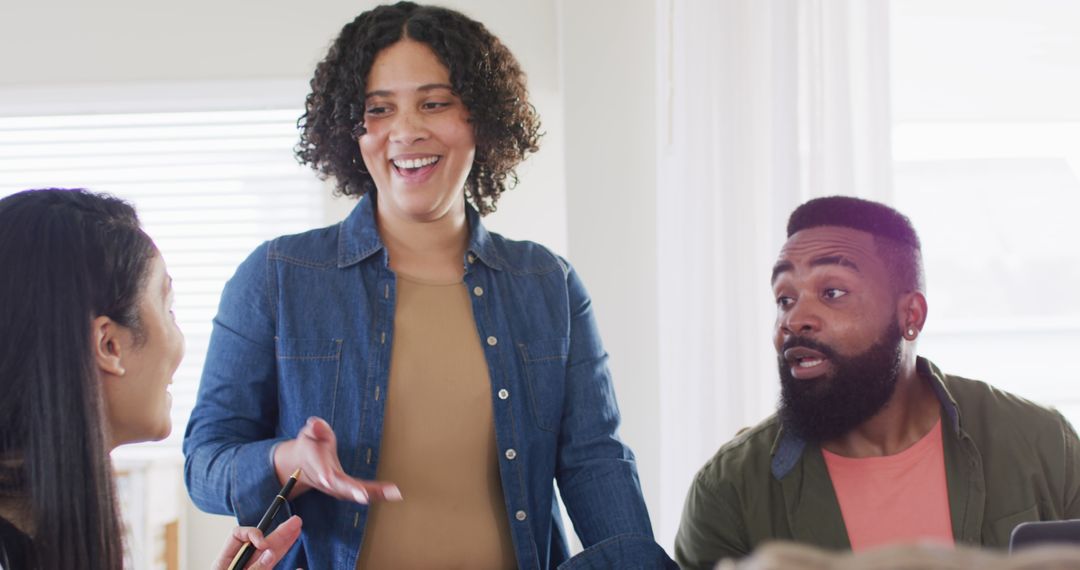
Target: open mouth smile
[
  {"x": 413, "y": 166},
  {"x": 806, "y": 362}
]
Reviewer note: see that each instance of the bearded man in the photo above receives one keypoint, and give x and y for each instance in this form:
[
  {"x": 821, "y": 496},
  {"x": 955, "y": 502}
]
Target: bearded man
[{"x": 872, "y": 444}]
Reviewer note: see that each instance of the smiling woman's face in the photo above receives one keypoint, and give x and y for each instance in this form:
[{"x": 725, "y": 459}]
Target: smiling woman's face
[
  {"x": 138, "y": 402},
  {"x": 419, "y": 144}
]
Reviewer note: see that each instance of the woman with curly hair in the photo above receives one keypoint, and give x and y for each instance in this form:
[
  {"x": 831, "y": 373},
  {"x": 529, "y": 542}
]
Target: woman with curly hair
[
  {"x": 88, "y": 346},
  {"x": 431, "y": 379}
]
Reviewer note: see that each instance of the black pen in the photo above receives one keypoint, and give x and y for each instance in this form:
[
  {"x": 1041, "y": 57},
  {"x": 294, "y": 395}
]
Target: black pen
[{"x": 248, "y": 549}]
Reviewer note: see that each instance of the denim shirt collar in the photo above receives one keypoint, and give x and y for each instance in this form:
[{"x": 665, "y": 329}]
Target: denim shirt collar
[
  {"x": 788, "y": 448},
  {"x": 359, "y": 239}
]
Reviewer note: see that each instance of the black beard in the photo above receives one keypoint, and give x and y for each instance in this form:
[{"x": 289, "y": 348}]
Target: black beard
[{"x": 823, "y": 409}]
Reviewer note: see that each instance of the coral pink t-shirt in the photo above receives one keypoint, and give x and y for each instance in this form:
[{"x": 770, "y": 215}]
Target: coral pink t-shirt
[{"x": 900, "y": 498}]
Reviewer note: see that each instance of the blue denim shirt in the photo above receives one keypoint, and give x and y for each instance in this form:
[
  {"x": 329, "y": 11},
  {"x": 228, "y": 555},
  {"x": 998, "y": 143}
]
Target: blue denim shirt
[{"x": 304, "y": 329}]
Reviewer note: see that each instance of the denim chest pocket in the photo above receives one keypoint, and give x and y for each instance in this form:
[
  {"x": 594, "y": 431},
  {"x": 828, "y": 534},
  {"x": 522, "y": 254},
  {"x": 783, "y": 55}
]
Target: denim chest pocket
[
  {"x": 308, "y": 374},
  {"x": 544, "y": 362}
]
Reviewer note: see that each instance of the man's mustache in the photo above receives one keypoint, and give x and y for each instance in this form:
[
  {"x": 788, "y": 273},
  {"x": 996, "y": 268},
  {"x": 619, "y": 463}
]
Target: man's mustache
[{"x": 798, "y": 341}]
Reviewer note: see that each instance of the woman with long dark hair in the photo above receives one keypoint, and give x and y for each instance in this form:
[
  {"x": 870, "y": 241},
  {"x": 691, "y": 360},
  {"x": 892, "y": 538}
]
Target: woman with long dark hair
[
  {"x": 433, "y": 380},
  {"x": 88, "y": 345}
]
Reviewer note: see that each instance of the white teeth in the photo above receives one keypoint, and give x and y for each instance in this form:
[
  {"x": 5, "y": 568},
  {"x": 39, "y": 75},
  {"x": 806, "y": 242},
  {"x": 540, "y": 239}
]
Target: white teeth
[
  {"x": 809, "y": 362},
  {"x": 416, "y": 162}
]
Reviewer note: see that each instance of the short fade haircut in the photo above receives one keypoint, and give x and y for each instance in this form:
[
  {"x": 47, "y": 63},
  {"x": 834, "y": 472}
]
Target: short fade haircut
[{"x": 895, "y": 237}]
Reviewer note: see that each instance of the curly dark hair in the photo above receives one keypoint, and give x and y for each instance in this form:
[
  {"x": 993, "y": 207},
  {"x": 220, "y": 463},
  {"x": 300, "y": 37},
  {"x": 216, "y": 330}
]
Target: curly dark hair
[{"x": 483, "y": 73}]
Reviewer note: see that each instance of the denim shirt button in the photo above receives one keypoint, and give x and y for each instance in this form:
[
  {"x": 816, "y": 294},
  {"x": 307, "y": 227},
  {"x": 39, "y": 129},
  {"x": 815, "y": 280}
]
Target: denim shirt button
[
  {"x": 520, "y": 515},
  {"x": 492, "y": 341},
  {"x": 471, "y": 258},
  {"x": 478, "y": 291},
  {"x": 504, "y": 394},
  {"x": 511, "y": 454}
]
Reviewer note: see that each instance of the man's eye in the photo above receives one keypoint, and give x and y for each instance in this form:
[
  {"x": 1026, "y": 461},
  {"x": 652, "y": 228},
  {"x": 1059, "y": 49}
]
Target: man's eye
[
  {"x": 833, "y": 293},
  {"x": 784, "y": 302}
]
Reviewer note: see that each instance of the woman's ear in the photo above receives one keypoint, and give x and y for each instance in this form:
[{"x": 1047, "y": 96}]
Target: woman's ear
[{"x": 108, "y": 348}]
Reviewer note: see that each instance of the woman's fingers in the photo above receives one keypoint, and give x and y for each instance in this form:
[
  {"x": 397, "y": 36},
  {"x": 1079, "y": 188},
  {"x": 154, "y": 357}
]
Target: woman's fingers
[
  {"x": 317, "y": 446},
  {"x": 383, "y": 491},
  {"x": 273, "y": 547},
  {"x": 242, "y": 534},
  {"x": 365, "y": 492},
  {"x": 234, "y": 543},
  {"x": 317, "y": 429},
  {"x": 269, "y": 549}
]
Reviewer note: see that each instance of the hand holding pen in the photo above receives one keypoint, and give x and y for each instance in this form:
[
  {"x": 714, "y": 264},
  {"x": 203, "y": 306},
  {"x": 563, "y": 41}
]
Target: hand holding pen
[
  {"x": 269, "y": 549},
  {"x": 270, "y": 553},
  {"x": 315, "y": 452}
]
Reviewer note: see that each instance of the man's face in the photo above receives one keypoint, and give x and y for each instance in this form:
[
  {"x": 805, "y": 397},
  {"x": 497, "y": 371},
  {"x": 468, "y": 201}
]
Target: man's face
[{"x": 837, "y": 334}]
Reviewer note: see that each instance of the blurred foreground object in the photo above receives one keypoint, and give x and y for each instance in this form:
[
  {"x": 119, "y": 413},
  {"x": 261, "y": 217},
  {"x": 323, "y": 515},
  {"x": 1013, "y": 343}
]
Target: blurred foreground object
[{"x": 792, "y": 556}]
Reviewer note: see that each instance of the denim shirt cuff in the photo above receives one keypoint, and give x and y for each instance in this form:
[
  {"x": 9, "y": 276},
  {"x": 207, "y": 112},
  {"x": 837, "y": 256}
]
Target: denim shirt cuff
[
  {"x": 621, "y": 551},
  {"x": 254, "y": 480}
]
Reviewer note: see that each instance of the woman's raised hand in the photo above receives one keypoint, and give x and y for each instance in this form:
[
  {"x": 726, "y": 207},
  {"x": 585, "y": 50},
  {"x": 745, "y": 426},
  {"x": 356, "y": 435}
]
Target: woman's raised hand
[{"x": 314, "y": 452}]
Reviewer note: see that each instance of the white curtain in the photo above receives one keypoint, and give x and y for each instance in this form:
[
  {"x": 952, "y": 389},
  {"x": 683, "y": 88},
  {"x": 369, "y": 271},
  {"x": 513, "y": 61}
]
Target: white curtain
[{"x": 762, "y": 105}]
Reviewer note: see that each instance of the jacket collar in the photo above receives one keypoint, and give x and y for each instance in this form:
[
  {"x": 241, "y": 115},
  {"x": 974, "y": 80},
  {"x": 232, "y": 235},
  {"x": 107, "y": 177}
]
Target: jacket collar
[
  {"x": 788, "y": 448},
  {"x": 358, "y": 236},
  {"x": 481, "y": 243}
]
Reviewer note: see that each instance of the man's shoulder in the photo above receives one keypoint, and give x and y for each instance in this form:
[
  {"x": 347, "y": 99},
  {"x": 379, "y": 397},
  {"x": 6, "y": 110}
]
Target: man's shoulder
[
  {"x": 990, "y": 414},
  {"x": 747, "y": 456},
  {"x": 979, "y": 401}
]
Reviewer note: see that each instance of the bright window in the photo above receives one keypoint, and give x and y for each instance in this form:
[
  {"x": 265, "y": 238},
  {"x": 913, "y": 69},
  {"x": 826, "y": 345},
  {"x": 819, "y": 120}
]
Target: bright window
[
  {"x": 209, "y": 187},
  {"x": 986, "y": 144}
]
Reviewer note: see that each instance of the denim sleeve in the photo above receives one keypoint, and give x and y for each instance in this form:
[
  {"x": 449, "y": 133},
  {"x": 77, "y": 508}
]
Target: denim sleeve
[
  {"x": 596, "y": 473},
  {"x": 228, "y": 446},
  {"x": 624, "y": 551}
]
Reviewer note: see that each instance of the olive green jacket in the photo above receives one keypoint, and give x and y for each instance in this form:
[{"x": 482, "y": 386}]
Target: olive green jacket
[{"x": 1007, "y": 461}]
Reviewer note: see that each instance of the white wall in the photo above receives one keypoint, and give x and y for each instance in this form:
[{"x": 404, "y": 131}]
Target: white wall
[
  {"x": 609, "y": 101},
  {"x": 1016, "y": 56},
  {"x": 71, "y": 41}
]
